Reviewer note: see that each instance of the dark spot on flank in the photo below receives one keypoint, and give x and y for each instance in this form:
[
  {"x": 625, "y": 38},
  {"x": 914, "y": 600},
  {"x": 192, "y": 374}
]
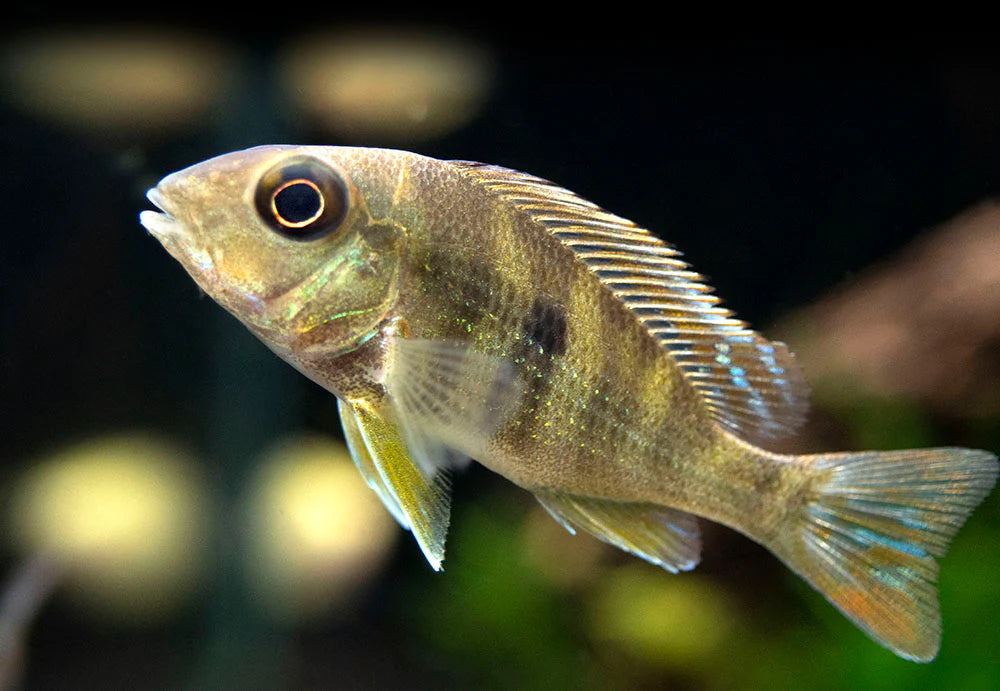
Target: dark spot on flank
[
  {"x": 546, "y": 326},
  {"x": 544, "y": 338}
]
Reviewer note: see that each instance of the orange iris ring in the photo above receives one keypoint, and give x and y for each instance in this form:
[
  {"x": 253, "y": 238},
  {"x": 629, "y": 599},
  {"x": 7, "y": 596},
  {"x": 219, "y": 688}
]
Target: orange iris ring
[{"x": 297, "y": 224}]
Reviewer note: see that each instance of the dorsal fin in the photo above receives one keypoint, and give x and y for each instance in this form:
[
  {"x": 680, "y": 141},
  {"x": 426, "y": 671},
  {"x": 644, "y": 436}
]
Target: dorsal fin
[{"x": 753, "y": 387}]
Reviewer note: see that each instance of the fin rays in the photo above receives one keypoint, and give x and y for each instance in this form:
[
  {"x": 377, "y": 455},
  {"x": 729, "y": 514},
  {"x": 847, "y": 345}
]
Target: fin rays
[
  {"x": 660, "y": 535},
  {"x": 424, "y": 499},
  {"x": 755, "y": 389},
  {"x": 445, "y": 402},
  {"x": 870, "y": 537}
]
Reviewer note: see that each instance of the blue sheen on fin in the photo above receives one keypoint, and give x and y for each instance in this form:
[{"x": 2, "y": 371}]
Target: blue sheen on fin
[
  {"x": 767, "y": 401},
  {"x": 868, "y": 539}
]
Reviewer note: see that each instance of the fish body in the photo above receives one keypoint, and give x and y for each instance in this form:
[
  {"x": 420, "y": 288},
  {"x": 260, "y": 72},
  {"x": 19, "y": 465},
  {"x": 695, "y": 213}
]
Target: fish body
[{"x": 463, "y": 311}]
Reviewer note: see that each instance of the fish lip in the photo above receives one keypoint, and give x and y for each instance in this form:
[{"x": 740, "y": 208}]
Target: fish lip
[
  {"x": 161, "y": 224},
  {"x": 176, "y": 236},
  {"x": 158, "y": 224},
  {"x": 158, "y": 199}
]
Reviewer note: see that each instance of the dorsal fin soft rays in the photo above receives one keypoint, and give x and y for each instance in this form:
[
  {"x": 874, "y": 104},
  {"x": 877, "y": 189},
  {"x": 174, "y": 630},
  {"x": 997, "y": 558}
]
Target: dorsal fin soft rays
[{"x": 752, "y": 387}]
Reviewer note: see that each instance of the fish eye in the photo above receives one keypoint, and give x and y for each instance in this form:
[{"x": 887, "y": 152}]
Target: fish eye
[
  {"x": 297, "y": 203},
  {"x": 302, "y": 199}
]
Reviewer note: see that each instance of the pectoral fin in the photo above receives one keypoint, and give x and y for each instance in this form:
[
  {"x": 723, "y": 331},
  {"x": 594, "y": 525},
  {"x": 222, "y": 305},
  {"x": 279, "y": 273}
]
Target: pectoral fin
[
  {"x": 445, "y": 403},
  {"x": 419, "y": 500},
  {"x": 449, "y": 393},
  {"x": 661, "y": 535}
]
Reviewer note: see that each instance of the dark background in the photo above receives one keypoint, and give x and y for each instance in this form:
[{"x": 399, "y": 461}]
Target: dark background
[{"x": 781, "y": 169}]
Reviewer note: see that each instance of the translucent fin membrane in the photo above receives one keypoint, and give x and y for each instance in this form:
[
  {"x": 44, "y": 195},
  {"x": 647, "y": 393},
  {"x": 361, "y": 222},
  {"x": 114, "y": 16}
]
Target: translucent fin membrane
[
  {"x": 751, "y": 386},
  {"x": 869, "y": 539},
  {"x": 418, "y": 500},
  {"x": 365, "y": 464},
  {"x": 445, "y": 403},
  {"x": 660, "y": 535}
]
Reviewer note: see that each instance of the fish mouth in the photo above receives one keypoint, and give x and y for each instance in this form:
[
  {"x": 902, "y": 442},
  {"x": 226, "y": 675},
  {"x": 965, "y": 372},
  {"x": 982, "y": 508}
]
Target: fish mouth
[
  {"x": 174, "y": 235},
  {"x": 161, "y": 224}
]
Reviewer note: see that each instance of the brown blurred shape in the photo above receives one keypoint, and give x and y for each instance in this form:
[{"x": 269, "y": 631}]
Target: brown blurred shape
[
  {"x": 925, "y": 324},
  {"x": 114, "y": 81},
  {"x": 391, "y": 85}
]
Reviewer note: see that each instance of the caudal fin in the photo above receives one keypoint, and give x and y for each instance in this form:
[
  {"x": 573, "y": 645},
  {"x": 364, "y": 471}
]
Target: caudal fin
[{"x": 869, "y": 536}]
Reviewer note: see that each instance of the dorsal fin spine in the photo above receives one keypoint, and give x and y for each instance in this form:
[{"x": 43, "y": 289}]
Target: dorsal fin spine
[{"x": 751, "y": 386}]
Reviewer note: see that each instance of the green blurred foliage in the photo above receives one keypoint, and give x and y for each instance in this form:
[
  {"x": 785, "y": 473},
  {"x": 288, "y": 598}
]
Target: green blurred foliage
[
  {"x": 778, "y": 168},
  {"x": 837, "y": 655},
  {"x": 492, "y": 619},
  {"x": 495, "y": 621}
]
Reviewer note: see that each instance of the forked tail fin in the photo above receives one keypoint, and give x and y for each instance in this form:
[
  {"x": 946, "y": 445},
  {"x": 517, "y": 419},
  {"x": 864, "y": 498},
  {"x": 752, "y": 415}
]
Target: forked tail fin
[{"x": 868, "y": 536}]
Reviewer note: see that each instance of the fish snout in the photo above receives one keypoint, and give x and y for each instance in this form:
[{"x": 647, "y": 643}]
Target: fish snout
[
  {"x": 169, "y": 227},
  {"x": 162, "y": 224}
]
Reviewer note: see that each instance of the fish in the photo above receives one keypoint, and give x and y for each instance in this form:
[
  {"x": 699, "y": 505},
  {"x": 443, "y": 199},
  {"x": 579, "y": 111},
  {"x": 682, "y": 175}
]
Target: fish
[{"x": 461, "y": 311}]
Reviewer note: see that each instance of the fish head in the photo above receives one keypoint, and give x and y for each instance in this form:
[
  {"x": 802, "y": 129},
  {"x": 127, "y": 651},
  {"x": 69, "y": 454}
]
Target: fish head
[{"x": 293, "y": 241}]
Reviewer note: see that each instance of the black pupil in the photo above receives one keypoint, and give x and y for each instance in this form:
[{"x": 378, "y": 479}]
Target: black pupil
[
  {"x": 302, "y": 198},
  {"x": 297, "y": 203}
]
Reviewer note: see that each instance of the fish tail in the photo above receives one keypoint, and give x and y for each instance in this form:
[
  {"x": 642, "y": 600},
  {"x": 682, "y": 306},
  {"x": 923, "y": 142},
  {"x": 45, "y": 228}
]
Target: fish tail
[{"x": 868, "y": 532}]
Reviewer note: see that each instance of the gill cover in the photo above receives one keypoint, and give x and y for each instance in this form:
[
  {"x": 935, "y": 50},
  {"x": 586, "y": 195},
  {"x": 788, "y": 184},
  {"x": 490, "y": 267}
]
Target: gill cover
[
  {"x": 285, "y": 240},
  {"x": 305, "y": 201}
]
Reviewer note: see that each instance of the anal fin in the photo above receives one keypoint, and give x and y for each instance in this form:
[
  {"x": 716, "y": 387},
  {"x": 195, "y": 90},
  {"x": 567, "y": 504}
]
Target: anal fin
[{"x": 660, "y": 535}]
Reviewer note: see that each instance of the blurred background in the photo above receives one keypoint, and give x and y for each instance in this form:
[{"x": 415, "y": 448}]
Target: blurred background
[{"x": 178, "y": 510}]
